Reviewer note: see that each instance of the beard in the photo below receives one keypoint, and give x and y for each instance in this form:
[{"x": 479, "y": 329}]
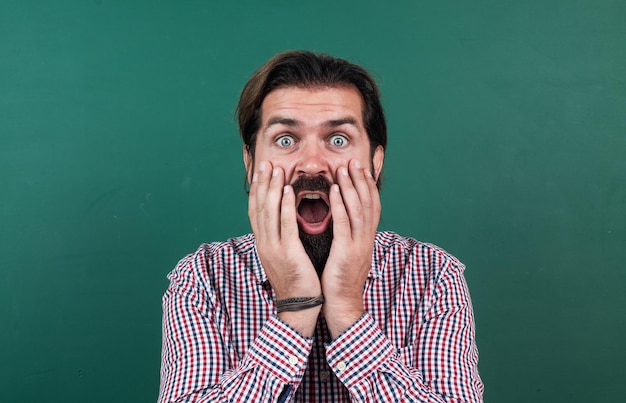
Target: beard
[{"x": 317, "y": 246}]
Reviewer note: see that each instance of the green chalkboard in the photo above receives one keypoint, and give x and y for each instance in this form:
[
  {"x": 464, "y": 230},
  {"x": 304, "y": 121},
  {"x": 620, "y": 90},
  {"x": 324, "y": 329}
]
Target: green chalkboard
[{"x": 119, "y": 154}]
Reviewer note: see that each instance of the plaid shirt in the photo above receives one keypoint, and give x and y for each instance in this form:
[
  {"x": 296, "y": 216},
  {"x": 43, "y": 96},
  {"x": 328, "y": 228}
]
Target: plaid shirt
[{"x": 222, "y": 340}]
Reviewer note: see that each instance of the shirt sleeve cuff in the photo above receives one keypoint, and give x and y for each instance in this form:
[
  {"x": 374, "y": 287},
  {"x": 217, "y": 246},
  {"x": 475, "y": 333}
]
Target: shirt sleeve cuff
[
  {"x": 281, "y": 350},
  {"x": 358, "y": 351}
]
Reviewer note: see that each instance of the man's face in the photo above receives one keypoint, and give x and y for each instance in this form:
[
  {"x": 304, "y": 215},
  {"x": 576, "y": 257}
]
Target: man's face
[{"x": 310, "y": 133}]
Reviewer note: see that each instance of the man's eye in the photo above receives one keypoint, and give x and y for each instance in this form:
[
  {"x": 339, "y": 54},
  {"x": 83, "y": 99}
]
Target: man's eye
[
  {"x": 285, "y": 141},
  {"x": 338, "y": 140}
]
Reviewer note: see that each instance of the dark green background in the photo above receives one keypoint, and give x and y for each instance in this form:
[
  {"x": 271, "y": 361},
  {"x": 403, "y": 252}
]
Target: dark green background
[{"x": 119, "y": 154}]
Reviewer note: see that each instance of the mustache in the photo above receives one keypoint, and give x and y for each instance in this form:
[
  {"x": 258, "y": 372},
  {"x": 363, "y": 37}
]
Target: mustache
[{"x": 311, "y": 183}]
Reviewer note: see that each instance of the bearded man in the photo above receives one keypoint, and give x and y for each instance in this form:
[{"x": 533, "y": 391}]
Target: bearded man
[{"x": 316, "y": 305}]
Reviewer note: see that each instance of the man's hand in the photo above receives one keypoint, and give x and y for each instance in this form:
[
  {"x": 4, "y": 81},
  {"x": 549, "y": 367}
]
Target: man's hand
[
  {"x": 272, "y": 213},
  {"x": 355, "y": 206}
]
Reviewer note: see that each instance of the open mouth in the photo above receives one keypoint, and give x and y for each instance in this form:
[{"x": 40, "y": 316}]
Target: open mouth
[{"x": 313, "y": 212}]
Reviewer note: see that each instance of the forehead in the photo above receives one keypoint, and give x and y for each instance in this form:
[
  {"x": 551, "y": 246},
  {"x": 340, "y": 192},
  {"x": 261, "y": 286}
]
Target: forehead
[{"x": 313, "y": 104}]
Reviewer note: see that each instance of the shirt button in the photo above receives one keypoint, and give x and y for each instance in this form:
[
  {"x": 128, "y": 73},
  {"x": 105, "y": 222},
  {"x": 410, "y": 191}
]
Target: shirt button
[
  {"x": 341, "y": 366},
  {"x": 293, "y": 360},
  {"x": 324, "y": 375}
]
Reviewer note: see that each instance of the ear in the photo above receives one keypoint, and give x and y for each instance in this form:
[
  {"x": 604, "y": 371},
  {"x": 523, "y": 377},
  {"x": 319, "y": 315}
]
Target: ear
[
  {"x": 248, "y": 162},
  {"x": 377, "y": 161}
]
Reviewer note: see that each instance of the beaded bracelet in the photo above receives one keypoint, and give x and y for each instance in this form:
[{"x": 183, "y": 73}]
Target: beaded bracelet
[{"x": 298, "y": 304}]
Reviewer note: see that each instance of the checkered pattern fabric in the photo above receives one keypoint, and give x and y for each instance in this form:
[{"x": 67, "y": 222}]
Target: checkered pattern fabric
[{"x": 222, "y": 340}]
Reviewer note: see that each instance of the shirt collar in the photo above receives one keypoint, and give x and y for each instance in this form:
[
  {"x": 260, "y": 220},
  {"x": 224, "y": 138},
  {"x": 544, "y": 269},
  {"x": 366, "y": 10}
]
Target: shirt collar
[
  {"x": 245, "y": 247},
  {"x": 378, "y": 257}
]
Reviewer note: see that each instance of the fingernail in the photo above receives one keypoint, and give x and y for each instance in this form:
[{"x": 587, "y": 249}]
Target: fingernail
[
  {"x": 335, "y": 188},
  {"x": 262, "y": 166},
  {"x": 254, "y": 177},
  {"x": 344, "y": 171},
  {"x": 275, "y": 172},
  {"x": 357, "y": 163},
  {"x": 286, "y": 189}
]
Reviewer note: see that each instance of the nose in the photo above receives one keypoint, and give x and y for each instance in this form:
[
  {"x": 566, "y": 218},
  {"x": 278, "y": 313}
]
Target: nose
[{"x": 313, "y": 160}]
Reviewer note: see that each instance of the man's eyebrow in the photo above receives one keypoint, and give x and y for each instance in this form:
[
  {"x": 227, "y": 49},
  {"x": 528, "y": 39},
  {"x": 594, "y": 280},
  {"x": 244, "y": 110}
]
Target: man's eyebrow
[
  {"x": 279, "y": 120},
  {"x": 339, "y": 122}
]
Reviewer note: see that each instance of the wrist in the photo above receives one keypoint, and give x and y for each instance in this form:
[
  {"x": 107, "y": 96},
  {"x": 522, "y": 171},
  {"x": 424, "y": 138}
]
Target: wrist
[
  {"x": 302, "y": 321},
  {"x": 298, "y": 304},
  {"x": 340, "y": 318}
]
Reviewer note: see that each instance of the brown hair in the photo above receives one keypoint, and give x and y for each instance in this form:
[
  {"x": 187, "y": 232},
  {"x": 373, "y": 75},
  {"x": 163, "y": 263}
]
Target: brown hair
[{"x": 308, "y": 70}]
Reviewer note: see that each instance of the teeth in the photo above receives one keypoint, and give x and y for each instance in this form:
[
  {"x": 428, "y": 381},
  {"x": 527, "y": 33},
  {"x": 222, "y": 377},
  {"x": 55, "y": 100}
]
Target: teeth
[{"x": 312, "y": 196}]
